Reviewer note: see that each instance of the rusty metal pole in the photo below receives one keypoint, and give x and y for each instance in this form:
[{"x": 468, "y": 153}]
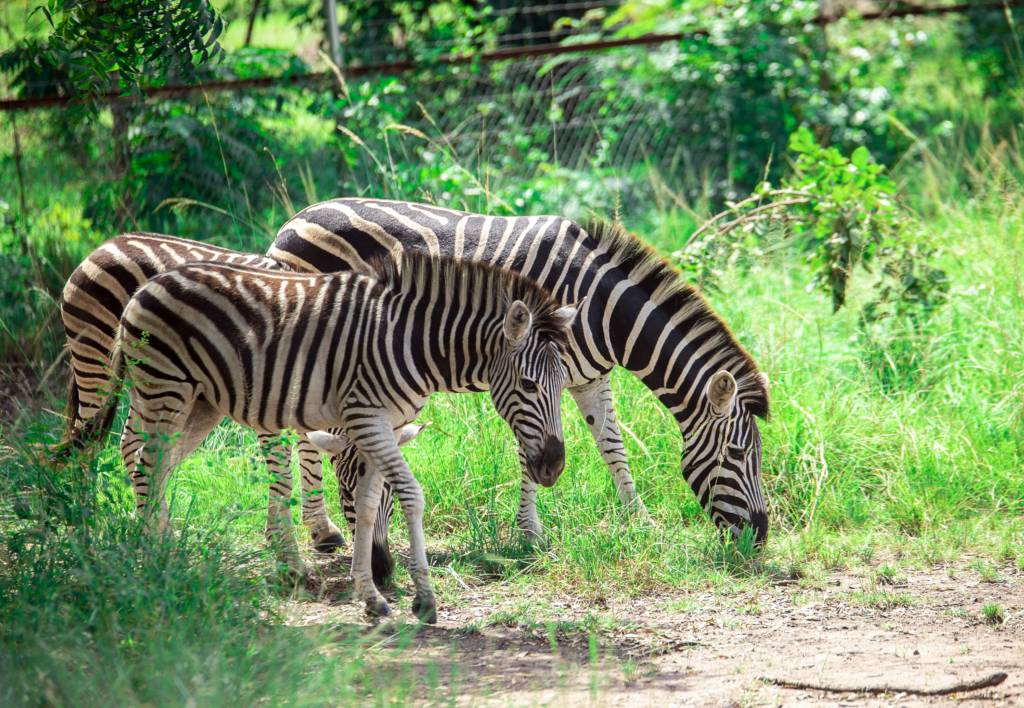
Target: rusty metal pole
[{"x": 331, "y": 17}]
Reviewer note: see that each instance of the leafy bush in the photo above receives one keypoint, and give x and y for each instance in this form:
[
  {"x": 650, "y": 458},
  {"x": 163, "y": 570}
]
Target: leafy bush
[{"x": 34, "y": 265}]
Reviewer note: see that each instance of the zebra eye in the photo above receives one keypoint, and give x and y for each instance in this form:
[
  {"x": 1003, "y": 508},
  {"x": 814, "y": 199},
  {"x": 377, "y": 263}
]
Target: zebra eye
[
  {"x": 736, "y": 452},
  {"x": 528, "y": 386}
]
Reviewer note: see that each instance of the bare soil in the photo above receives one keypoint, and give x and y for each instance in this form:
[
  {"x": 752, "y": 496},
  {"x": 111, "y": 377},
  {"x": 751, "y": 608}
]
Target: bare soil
[
  {"x": 24, "y": 392},
  {"x": 922, "y": 630}
]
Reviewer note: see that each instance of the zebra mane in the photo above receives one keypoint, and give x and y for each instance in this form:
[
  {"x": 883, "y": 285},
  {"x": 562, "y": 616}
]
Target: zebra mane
[
  {"x": 408, "y": 270},
  {"x": 665, "y": 285}
]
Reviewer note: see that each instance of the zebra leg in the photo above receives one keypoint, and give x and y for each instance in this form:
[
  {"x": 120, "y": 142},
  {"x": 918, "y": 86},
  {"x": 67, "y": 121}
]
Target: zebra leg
[
  {"x": 367, "y": 495},
  {"x": 326, "y": 535},
  {"x": 202, "y": 418},
  {"x": 345, "y": 471},
  {"x": 377, "y": 441},
  {"x": 594, "y": 400},
  {"x": 155, "y": 423},
  {"x": 345, "y": 460},
  {"x": 131, "y": 444},
  {"x": 381, "y": 561},
  {"x": 280, "y": 531}
]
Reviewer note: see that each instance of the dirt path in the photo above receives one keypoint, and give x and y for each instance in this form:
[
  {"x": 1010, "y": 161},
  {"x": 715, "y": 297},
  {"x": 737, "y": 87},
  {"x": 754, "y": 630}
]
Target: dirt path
[{"x": 924, "y": 631}]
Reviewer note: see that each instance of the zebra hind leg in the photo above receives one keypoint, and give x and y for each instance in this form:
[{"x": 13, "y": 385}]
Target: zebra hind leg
[
  {"x": 200, "y": 420},
  {"x": 381, "y": 561},
  {"x": 148, "y": 447},
  {"x": 279, "y": 531},
  {"x": 327, "y": 537}
]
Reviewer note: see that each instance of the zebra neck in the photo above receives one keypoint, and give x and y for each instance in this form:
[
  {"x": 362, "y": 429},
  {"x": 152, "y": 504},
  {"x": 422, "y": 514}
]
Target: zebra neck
[
  {"x": 439, "y": 341},
  {"x": 673, "y": 346}
]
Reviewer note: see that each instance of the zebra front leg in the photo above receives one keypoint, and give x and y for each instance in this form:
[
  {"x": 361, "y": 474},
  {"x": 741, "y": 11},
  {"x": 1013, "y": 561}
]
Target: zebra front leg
[
  {"x": 280, "y": 531},
  {"x": 367, "y": 497},
  {"x": 594, "y": 400},
  {"x": 346, "y": 461},
  {"x": 345, "y": 467},
  {"x": 326, "y": 535},
  {"x": 376, "y": 440}
]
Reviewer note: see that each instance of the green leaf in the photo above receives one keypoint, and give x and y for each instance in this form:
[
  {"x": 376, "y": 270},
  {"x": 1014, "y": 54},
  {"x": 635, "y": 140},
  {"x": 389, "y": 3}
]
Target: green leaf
[{"x": 861, "y": 157}]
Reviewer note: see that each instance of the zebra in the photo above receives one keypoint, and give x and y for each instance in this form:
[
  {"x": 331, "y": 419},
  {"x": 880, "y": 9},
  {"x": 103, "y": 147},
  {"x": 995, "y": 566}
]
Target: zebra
[
  {"x": 276, "y": 351},
  {"x": 91, "y": 306},
  {"x": 638, "y": 314}
]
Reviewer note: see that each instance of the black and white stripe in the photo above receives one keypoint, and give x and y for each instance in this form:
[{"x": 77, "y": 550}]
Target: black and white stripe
[
  {"x": 277, "y": 351},
  {"x": 638, "y": 314},
  {"x": 91, "y": 306}
]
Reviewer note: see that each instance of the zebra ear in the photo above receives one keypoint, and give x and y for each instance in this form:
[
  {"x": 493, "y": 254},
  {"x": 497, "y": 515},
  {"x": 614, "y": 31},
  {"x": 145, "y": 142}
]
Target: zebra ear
[
  {"x": 331, "y": 442},
  {"x": 567, "y": 314},
  {"x": 763, "y": 379},
  {"x": 408, "y": 433},
  {"x": 721, "y": 392},
  {"x": 518, "y": 321}
]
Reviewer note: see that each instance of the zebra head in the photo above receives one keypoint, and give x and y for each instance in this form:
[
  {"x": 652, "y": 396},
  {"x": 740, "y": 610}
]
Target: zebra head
[
  {"x": 526, "y": 381},
  {"x": 722, "y": 463}
]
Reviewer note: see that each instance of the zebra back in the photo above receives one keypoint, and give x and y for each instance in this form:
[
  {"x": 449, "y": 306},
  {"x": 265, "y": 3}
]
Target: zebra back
[{"x": 95, "y": 297}]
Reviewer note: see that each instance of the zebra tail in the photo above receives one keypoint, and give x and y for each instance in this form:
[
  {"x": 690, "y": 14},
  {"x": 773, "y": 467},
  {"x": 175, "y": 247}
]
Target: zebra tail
[
  {"x": 61, "y": 450},
  {"x": 97, "y": 427}
]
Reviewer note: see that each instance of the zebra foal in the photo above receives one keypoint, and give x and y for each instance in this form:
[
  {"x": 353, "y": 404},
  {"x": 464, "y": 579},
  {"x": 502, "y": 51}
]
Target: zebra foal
[{"x": 362, "y": 353}]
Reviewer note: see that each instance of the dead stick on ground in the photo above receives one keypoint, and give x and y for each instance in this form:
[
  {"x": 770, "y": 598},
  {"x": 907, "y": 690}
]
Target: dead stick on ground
[{"x": 987, "y": 682}]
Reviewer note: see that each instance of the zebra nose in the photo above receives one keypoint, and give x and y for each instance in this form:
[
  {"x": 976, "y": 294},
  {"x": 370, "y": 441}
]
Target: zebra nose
[
  {"x": 759, "y": 522},
  {"x": 547, "y": 465}
]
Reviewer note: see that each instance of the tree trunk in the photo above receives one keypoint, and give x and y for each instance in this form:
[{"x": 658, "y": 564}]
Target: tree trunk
[
  {"x": 252, "y": 21},
  {"x": 25, "y": 246}
]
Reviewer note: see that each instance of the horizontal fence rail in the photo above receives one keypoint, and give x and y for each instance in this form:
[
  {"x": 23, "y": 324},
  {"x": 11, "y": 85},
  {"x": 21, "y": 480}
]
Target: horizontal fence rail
[{"x": 324, "y": 80}]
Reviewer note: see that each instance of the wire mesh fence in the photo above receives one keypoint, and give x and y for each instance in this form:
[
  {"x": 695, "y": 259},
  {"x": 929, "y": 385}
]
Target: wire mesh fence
[{"x": 680, "y": 112}]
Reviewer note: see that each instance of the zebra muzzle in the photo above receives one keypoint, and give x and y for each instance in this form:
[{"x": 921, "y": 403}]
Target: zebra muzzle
[{"x": 546, "y": 467}]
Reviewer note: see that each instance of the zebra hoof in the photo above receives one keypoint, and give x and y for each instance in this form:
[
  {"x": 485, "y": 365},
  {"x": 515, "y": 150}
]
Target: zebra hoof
[
  {"x": 538, "y": 542},
  {"x": 382, "y": 565},
  {"x": 426, "y": 610},
  {"x": 329, "y": 544},
  {"x": 377, "y": 608}
]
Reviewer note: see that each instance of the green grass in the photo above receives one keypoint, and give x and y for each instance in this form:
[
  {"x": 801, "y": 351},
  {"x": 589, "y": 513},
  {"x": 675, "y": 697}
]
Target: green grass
[{"x": 993, "y": 614}]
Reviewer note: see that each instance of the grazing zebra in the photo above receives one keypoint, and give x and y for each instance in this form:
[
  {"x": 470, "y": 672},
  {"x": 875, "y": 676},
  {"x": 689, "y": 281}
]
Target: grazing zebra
[
  {"x": 638, "y": 314},
  {"x": 276, "y": 351},
  {"x": 93, "y": 301}
]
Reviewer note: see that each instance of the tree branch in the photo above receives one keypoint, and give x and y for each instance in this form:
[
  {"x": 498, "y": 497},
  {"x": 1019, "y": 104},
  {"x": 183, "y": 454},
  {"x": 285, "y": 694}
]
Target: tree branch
[{"x": 987, "y": 682}]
